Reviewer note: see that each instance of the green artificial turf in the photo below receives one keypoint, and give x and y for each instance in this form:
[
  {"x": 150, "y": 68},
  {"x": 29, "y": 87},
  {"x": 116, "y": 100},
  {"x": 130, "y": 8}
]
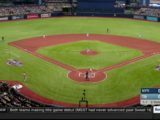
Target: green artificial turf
[
  {"x": 51, "y": 80},
  {"x": 108, "y": 54}
]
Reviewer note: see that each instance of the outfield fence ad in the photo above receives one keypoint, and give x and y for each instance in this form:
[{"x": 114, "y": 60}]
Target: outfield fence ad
[
  {"x": 56, "y": 14},
  {"x": 46, "y": 15},
  {"x": 151, "y": 18},
  {"x": 3, "y": 18},
  {"x": 32, "y": 16},
  {"x": 16, "y": 17}
]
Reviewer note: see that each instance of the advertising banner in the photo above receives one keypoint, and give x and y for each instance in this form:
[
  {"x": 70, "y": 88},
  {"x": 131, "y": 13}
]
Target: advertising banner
[
  {"x": 138, "y": 17},
  {"x": 3, "y": 18},
  {"x": 45, "y": 15},
  {"x": 16, "y": 17},
  {"x": 31, "y": 16},
  {"x": 150, "y": 18}
]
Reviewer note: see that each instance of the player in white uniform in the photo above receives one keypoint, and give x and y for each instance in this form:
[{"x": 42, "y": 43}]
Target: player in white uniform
[
  {"x": 44, "y": 36},
  {"x": 87, "y": 34},
  {"x": 25, "y": 77}
]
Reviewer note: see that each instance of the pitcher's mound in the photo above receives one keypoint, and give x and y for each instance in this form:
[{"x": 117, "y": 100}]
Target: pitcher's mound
[{"x": 89, "y": 52}]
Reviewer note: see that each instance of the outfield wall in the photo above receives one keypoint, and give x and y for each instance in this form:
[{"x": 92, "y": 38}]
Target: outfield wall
[
  {"x": 48, "y": 15},
  {"x": 148, "y": 18}
]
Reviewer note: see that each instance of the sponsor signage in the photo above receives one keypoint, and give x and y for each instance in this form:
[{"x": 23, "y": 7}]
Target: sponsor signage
[
  {"x": 45, "y": 15},
  {"x": 3, "y": 18},
  {"x": 150, "y": 18},
  {"x": 31, "y": 16},
  {"x": 138, "y": 17},
  {"x": 17, "y": 17}
]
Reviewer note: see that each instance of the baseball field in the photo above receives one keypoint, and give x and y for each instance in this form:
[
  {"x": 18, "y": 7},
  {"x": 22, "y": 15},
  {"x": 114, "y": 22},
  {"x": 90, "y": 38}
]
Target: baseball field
[{"x": 55, "y": 52}]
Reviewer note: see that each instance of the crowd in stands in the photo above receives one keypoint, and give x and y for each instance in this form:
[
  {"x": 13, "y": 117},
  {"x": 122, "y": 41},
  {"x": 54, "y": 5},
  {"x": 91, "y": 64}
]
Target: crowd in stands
[
  {"x": 58, "y": 6},
  {"x": 10, "y": 97},
  {"x": 24, "y": 9},
  {"x": 148, "y": 12},
  {"x": 120, "y": 4},
  {"x": 8, "y": 8}
]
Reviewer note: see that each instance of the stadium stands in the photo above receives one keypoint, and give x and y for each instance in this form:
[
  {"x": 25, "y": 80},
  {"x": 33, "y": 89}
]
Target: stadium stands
[
  {"x": 24, "y": 9},
  {"x": 8, "y": 8},
  {"x": 10, "y": 97},
  {"x": 78, "y": 7},
  {"x": 148, "y": 12}
]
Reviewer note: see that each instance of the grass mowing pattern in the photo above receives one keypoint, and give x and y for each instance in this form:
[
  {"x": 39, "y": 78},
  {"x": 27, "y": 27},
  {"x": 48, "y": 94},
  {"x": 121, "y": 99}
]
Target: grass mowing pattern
[
  {"x": 46, "y": 79},
  {"x": 108, "y": 54}
]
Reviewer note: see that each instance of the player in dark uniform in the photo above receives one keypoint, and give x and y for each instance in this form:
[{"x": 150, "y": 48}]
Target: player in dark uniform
[
  {"x": 3, "y": 38},
  {"x": 87, "y": 75},
  {"x": 107, "y": 30}
]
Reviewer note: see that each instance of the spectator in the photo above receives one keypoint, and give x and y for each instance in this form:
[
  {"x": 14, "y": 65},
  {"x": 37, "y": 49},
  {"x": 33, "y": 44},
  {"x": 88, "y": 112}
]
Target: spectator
[{"x": 148, "y": 12}]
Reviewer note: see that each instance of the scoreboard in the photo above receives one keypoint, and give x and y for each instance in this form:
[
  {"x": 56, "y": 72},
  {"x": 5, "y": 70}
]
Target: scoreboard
[{"x": 150, "y": 96}]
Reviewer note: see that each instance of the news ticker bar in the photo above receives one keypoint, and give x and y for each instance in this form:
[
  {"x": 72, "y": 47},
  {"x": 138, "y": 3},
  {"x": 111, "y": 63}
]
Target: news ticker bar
[{"x": 75, "y": 110}]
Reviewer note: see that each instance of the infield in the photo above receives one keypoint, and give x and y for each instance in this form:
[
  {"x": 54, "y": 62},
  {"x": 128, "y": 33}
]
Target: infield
[
  {"x": 107, "y": 54},
  {"x": 48, "y": 77}
]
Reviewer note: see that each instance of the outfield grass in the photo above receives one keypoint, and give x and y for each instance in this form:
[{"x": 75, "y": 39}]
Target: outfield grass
[
  {"x": 22, "y": 29},
  {"x": 108, "y": 54},
  {"x": 50, "y": 80}
]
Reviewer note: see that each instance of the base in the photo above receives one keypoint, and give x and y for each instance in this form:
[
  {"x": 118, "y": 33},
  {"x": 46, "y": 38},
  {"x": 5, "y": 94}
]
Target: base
[{"x": 93, "y": 76}]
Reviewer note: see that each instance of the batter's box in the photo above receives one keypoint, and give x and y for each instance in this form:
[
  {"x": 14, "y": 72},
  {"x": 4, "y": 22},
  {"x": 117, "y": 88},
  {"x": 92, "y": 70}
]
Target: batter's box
[{"x": 90, "y": 75}]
